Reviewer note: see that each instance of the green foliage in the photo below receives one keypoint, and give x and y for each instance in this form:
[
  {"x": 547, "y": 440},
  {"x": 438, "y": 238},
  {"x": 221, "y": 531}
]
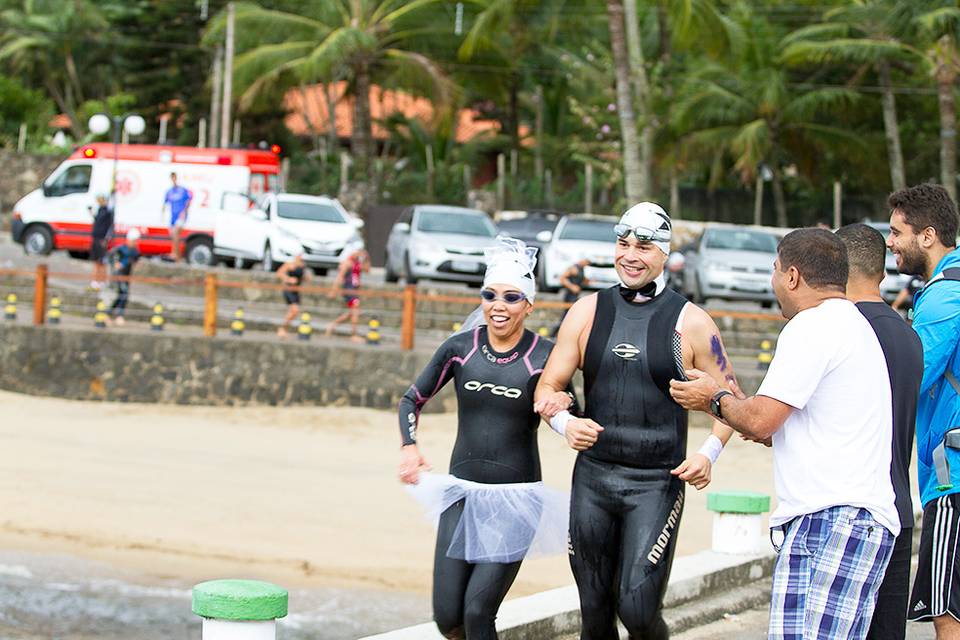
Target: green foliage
[{"x": 20, "y": 105}]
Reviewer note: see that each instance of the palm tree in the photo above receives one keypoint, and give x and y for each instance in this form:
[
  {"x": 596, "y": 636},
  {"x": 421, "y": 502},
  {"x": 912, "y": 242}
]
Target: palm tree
[
  {"x": 42, "y": 39},
  {"x": 361, "y": 41},
  {"x": 866, "y": 34},
  {"x": 744, "y": 109},
  {"x": 937, "y": 27}
]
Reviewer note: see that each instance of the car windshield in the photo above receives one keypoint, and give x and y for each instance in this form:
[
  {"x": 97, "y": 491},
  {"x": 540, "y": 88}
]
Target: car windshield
[
  {"x": 466, "y": 224},
  {"x": 592, "y": 230},
  {"x": 527, "y": 227},
  {"x": 740, "y": 240},
  {"x": 313, "y": 211}
]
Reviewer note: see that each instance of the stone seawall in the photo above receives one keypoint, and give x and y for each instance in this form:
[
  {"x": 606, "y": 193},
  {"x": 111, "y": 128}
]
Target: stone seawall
[
  {"x": 134, "y": 365},
  {"x": 22, "y": 173},
  {"x": 146, "y": 367}
]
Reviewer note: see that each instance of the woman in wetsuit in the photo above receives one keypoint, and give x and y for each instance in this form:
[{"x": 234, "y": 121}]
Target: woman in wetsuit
[
  {"x": 291, "y": 274},
  {"x": 495, "y": 465}
]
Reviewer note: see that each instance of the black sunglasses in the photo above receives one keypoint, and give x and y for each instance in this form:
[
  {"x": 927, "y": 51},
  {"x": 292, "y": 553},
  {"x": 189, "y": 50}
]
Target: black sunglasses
[{"x": 510, "y": 297}]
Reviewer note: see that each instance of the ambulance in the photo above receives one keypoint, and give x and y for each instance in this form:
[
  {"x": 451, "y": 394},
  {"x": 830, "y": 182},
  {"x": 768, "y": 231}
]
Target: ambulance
[{"x": 59, "y": 215}]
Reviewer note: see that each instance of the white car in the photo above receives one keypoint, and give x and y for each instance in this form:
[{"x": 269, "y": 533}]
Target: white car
[
  {"x": 439, "y": 242},
  {"x": 579, "y": 237},
  {"x": 282, "y": 225}
]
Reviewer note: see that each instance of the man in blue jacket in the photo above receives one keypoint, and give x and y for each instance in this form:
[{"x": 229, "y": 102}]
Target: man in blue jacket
[{"x": 923, "y": 231}]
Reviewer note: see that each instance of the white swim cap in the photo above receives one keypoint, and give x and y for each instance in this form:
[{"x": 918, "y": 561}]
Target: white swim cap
[
  {"x": 511, "y": 262},
  {"x": 133, "y": 234},
  {"x": 649, "y": 222}
]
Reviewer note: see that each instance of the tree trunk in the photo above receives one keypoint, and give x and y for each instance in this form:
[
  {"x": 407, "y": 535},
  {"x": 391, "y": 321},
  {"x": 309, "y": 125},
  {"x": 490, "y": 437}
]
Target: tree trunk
[
  {"x": 65, "y": 106},
  {"x": 628, "y": 122},
  {"x": 891, "y": 129},
  {"x": 360, "y": 143},
  {"x": 513, "y": 118},
  {"x": 641, "y": 89},
  {"x": 779, "y": 201},
  {"x": 329, "y": 91},
  {"x": 946, "y": 76}
]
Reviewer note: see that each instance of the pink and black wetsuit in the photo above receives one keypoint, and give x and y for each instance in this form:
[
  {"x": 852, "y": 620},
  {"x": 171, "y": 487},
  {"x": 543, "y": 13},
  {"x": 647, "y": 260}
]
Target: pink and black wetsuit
[{"x": 496, "y": 444}]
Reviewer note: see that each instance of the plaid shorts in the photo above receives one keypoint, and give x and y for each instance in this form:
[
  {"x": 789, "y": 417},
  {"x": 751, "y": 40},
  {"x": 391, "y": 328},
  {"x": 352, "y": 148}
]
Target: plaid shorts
[{"x": 828, "y": 572}]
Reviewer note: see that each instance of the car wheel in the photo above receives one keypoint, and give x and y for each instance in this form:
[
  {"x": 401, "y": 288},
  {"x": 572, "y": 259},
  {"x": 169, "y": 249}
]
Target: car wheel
[
  {"x": 320, "y": 272},
  {"x": 79, "y": 255},
  {"x": 200, "y": 252},
  {"x": 695, "y": 296},
  {"x": 408, "y": 271},
  {"x": 37, "y": 240},
  {"x": 766, "y": 304},
  {"x": 389, "y": 274},
  {"x": 267, "y": 264}
]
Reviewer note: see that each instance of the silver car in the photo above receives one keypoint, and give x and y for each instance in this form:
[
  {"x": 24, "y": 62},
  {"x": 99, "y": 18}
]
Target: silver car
[
  {"x": 732, "y": 263},
  {"x": 439, "y": 242}
]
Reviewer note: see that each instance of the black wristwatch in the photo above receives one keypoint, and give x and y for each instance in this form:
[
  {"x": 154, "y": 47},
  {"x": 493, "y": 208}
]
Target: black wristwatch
[{"x": 715, "y": 403}]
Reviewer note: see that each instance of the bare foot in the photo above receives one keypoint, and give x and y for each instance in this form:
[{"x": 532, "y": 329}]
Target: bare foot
[
  {"x": 282, "y": 333},
  {"x": 329, "y": 331},
  {"x": 357, "y": 339},
  {"x": 119, "y": 321}
]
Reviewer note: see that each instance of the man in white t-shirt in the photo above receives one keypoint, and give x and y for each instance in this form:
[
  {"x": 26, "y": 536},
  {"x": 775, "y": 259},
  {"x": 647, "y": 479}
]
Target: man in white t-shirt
[{"x": 825, "y": 407}]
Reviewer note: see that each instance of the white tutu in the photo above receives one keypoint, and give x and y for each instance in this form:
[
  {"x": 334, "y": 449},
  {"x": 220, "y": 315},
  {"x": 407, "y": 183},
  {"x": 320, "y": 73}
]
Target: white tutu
[{"x": 500, "y": 522}]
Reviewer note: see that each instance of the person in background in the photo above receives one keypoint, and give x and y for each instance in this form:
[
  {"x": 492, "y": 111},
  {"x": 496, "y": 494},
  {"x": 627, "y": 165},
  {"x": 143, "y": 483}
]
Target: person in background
[
  {"x": 178, "y": 199},
  {"x": 904, "y": 299},
  {"x": 866, "y": 254},
  {"x": 291, "y": 274},
  {"x": 101, "y": 232},
  {"x": 123, "y": 258},
  {"x": 573, "y": 281},
  {"x": 348, "y": 279},
  {"x": 923, "y": 232}
]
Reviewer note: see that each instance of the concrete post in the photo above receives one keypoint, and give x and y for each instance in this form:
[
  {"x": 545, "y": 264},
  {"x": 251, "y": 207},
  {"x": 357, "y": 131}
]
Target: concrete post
[
  {"x": 738, "y": 521},
  {"x": 239, "y": 609}
]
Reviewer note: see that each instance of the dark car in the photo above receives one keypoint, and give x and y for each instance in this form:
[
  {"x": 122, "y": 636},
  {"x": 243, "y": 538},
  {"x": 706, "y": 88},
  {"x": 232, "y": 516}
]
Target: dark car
[{"x": 533, "y": 227}]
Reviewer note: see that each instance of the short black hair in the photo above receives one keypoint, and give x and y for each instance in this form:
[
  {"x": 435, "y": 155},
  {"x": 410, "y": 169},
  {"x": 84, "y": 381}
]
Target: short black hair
[
  {"x": 819, "y": 256},
  {"x": 866, "y": 249},
  {"x": 927, "y": 205}
]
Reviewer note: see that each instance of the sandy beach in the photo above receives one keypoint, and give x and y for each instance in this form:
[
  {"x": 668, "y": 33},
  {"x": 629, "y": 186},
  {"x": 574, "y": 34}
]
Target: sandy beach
[{"x": 302, "y": 497}]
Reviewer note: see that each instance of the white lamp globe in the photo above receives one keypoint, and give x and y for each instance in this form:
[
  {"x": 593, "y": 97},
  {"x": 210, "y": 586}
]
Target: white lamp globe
[
  {"x": 134, "y": 125},
  {"x": 99, "y": 124}
]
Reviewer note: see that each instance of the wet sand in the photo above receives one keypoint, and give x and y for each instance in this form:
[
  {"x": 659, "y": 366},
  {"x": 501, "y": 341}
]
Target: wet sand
[{"x": 305, "y": 497}]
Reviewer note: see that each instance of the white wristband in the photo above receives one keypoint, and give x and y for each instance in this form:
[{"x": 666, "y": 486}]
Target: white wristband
[
  {"x": 559, "y": 422},
  {"x": 712, "y": 447}
]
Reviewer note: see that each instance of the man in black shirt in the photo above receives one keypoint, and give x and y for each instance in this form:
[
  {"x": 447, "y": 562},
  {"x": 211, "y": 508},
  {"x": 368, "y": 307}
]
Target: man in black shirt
[
  {"x": 102, "y": 229},
  {"x": 866, "y": 251}
]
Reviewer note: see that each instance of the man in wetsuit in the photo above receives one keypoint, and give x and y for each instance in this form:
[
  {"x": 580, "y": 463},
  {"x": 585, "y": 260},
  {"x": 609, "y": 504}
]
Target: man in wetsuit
[
  {"x": 628, "y": 481},
  {"x": 866, "y": 253}
]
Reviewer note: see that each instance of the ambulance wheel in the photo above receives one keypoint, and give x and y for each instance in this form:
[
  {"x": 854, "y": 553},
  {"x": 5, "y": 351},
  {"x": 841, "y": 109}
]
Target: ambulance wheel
[
  {"x": 200, "y": 252},
  {"x": 79, "y": 255},
  {"x": 37, "y": 240}
]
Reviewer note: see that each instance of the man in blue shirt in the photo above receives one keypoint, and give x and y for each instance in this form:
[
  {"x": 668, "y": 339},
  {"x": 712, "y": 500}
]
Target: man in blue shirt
[
  {"x": 178, "y": 198},
  {"x": 923, "y": 231}
]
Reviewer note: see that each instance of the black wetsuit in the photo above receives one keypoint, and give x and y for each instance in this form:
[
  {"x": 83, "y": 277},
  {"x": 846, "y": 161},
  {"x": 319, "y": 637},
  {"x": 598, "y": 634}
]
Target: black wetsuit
[
  {"x": 293, "y": 297},
  {"x": 496, "y": 444},
  {"x": 625, "y": 506}
]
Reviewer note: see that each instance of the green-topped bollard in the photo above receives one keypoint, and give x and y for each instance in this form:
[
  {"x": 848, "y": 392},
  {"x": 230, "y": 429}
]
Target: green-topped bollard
[
  {"x": 239, "y": 609},
  {"x": 738, "y": 521}
]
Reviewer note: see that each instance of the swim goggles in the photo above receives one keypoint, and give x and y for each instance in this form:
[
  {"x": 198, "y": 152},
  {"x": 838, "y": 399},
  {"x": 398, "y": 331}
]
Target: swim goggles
[
  {"x": 643, "y": 234},
  {"x": 510, "y": 297}
]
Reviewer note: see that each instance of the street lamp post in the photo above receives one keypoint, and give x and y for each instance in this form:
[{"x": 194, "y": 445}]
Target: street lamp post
[{"x": 101, "y": 123}]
